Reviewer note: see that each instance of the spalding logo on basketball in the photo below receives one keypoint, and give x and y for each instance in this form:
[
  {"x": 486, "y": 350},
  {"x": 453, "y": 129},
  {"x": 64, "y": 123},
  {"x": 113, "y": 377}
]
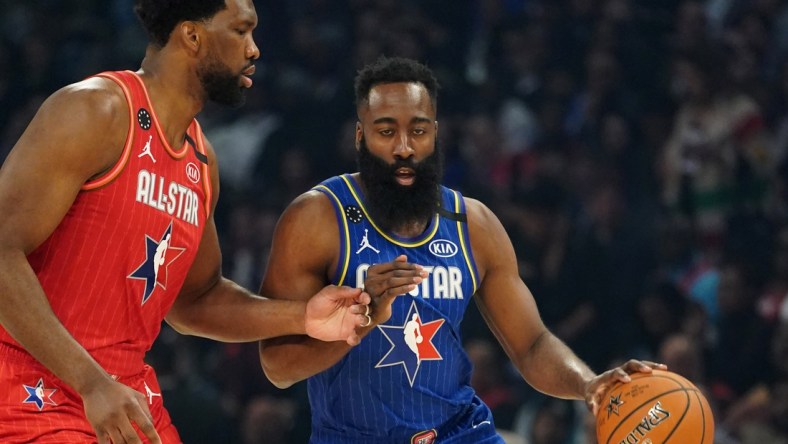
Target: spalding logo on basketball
[{"x": 656, "y": 408}]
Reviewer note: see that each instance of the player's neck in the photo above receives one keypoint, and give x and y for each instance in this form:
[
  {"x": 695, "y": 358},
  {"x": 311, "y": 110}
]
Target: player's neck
[{"x": 174, "y": 93}]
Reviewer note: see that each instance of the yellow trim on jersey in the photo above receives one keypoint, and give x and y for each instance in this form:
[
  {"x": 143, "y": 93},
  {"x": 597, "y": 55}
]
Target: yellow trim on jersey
[
  {"x": 124, "y": 157},
  {"x": 435, "y": 224},
  {"x": 347, "y": 234},
  {"x": 465, "y": 254}
]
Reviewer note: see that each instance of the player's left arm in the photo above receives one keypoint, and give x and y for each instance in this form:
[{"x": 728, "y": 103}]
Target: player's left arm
[
  {"x": 509, "y": 309},
  {"x": 212, "y": 306}
]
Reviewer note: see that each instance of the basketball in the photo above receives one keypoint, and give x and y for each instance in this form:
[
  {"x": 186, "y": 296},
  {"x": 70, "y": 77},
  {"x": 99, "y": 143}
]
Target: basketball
[{"x": 655, "y": 408}]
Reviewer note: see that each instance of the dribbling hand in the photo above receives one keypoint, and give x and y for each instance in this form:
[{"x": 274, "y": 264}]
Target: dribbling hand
[{"x": 598, "y": 386}]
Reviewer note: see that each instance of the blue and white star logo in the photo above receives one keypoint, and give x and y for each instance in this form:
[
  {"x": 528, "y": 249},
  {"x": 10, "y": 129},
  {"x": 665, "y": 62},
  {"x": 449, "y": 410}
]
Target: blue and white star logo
[
  {"x": 411, "y": 343},
  {"x": 158, "y": 257},
  {"x": 39, "y": 395}
]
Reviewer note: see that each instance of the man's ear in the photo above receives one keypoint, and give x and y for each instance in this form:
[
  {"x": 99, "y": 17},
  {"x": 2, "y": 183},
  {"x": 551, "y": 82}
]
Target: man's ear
[
  {"x": 359, "y": 135},
  {"x": 190, "y": 34}
]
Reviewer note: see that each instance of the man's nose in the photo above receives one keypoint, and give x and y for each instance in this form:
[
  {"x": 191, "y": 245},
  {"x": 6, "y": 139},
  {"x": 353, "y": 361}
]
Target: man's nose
[{"x": 403, "y": 149}]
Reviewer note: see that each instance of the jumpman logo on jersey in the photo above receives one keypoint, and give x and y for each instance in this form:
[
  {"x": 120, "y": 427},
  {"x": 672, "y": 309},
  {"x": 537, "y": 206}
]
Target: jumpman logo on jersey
[
  {"x": 158, "y": 257},
  {"x": 146, "y": 150},
  {"x": 411, "y": 343},
  {"x": 150, "y": 393},
  {"x": 39, "y": 395},
  {"x": 365, "y": 243}
]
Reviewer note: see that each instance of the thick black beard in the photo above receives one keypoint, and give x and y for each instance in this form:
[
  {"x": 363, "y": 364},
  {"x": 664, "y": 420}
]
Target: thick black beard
[
  {"x": 391, "y": 205},
  {"x": 221, "y": 85}
]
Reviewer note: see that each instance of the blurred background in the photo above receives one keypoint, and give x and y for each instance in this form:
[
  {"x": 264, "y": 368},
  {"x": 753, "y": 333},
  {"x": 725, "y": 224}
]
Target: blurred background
[{"x": 634, "y": 149}]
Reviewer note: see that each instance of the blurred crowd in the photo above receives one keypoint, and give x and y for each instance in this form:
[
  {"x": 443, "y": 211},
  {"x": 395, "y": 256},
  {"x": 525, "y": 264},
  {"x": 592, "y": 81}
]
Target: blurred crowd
[{"x": 634, "y": 149}]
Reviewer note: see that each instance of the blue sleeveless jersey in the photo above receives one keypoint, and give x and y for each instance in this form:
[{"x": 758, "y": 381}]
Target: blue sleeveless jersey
[{"x": 410, "y": 377}]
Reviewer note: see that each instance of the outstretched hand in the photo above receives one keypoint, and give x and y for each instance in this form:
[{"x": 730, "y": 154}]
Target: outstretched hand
[
  {"x": 597, "y": 387},
  {"x": 334, "y": 313},
  {"x": 388, "y": 280}
]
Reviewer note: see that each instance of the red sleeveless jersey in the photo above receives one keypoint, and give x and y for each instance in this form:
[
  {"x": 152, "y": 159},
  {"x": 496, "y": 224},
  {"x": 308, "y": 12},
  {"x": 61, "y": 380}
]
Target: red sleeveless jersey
[{"x": 113, "y": 267}]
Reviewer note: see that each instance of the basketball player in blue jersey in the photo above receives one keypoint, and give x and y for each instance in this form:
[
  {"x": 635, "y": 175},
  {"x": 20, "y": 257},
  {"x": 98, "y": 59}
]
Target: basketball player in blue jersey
[{"x": 409, "y": 379}]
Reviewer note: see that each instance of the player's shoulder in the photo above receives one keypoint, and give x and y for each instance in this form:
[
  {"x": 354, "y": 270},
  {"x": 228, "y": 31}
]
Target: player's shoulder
[
  {"x": 317, "y": 198},
  {"x": 313, "y": 202},
  {"x": 95, "y": 99},
  {"x": 489, "y": 240},
  {"x": 83, "y": 125},
  {"x": 308, "y": 217},
  {"x": 309, "y": 208},
  {"x": 96, "y": 90},
  {"x": 484, "y": 225},
  {"x": 477, "y": 211}
]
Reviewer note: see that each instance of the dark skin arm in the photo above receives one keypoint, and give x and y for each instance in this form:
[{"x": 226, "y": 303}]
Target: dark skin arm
[
  {"x": 38, "y": 184},
  {"x": 212, "y": 306},
  {"x": 510, "y": 311},
  {"x": 304, "y": 254}
]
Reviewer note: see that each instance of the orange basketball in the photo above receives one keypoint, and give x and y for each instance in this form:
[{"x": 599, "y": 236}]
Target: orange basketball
[{"x": 655, "y": 408}]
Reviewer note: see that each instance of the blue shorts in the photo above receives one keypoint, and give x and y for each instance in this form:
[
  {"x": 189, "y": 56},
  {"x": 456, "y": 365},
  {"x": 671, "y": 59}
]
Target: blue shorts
[{"x": 473, "y": 425}]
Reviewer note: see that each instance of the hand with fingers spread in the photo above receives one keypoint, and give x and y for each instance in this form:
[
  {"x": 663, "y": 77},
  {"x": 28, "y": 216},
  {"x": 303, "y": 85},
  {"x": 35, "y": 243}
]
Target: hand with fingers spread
[
  {"x": 597, "y": 387},
  {"x": 334, "y": 313},
  {"x": 388, "y": 280},
  {"x": 112, "y": 407}
]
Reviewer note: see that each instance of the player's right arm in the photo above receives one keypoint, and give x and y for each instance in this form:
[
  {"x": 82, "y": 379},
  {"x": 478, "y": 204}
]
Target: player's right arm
[
  {"x": 77, "y": 134},
  {"x": 304, "y": 254}
]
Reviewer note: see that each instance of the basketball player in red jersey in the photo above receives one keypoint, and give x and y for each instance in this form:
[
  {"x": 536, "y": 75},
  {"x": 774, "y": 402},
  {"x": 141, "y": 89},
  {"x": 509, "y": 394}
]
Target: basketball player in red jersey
[{"x": 107, "y": 229}]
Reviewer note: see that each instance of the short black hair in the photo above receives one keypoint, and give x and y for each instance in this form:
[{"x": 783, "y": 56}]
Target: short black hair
[
  {"x": 394, "y": 70},
  {"x": 159, "y": 17}
]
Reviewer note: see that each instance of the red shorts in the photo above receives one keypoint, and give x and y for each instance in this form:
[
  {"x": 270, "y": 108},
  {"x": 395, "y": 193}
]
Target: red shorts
[{"x": 35, "y": 406}]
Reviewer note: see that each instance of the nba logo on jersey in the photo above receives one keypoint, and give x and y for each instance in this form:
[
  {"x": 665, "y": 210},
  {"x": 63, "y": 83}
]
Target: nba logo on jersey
[
  {"x": 39, "y": 395},
  {"x": 425, "y": 437},
  {"x": 411, "y": 343},
  {"x": 158, "y": 257}
]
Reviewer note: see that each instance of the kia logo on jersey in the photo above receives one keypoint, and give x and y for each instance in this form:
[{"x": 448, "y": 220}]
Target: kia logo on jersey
[
  {"x": 443, "y": 248},
  {"x": 192, "y": 172}
]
